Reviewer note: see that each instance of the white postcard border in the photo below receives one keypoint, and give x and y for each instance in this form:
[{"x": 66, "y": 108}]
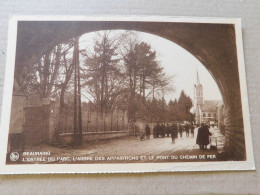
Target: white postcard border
[{"x": 124, "y": 167}]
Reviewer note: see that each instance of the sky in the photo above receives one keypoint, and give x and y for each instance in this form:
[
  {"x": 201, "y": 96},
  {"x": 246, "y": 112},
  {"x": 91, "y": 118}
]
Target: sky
[{"x": 178, "y": 62}]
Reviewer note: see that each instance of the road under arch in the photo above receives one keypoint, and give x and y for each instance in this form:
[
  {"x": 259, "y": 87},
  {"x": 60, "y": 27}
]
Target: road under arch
[{"x": 214, "y": 45}]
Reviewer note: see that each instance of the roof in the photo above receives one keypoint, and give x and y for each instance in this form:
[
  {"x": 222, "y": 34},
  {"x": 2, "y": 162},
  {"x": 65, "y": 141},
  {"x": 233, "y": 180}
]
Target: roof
[{"x": 210, "y": 105}]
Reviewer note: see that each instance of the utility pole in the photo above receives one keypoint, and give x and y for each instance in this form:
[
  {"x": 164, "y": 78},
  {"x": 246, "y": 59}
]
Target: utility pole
[
  {"x": 79, "y": 95},
  {"x": 75, "y": 127},
  {"x": 163, "y": 106}
]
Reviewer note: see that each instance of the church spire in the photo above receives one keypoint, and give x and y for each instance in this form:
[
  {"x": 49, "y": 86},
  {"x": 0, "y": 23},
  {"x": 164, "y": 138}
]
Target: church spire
[
  {"x": 198, "y": 91},
  {"x": 198, "y": 78}
]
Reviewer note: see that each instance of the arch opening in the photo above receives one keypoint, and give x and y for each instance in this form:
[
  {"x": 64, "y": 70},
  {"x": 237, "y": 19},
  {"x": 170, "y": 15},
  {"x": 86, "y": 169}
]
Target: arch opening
[{"x": 211, "y": 44}]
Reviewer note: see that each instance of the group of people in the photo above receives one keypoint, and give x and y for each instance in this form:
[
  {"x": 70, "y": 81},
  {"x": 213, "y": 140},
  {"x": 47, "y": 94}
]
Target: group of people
[
  {"x": 173, "y": 129},
  {"x": 187, "y": 128},
  {"x": 162, "y": 130}
]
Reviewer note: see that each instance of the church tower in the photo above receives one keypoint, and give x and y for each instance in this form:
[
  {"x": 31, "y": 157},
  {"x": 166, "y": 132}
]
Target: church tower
[
  {"x": 198, "y": 97},
  {"x": 198, "y": 92}
]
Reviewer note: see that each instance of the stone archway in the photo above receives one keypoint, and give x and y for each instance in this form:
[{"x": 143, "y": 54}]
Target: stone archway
[{"x": 213, "y": 45}]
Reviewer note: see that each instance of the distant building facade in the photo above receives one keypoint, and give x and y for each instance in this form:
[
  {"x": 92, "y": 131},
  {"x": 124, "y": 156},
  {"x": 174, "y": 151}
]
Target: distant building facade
[{"x": 209, "y": 111}]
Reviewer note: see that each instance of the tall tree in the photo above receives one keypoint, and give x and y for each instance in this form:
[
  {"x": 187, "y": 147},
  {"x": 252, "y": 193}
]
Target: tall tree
[
  {"x": 184, "y": 104},
  {"x": 103, "y": 74},
  {"x": 64, "y": 79},
  {"x": 40, "y": 80},
  {"x": 173, "y": 111},
  {"x": 143, "y": 74}
]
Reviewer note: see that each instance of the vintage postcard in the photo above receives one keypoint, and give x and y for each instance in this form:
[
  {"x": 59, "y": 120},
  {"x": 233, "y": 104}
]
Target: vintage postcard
[{"x": 106, "y": 94}]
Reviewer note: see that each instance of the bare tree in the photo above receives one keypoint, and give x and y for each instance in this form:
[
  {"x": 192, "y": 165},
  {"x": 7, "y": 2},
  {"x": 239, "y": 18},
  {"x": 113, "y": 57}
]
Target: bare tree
[
  {"x": 40, "y": 80},
  {"x": 102, "y": 71}
]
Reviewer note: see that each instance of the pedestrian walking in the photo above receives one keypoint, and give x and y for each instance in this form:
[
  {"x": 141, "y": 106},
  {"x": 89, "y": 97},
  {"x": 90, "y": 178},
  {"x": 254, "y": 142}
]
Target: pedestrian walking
[
  {"x": 168, "y": 130},
  {"x": 180, "y": 129},
  {"x": 142, "y": 136},
  {"x": 174, "y": 132},
  {"x": 203, "y": 136},
  {"x": 192, "y": 130},
  {"x": 162, "y": 130},
  {"x": 156, "y": 130},
  {"x": 187, "y": 129},
  {"x": 147, "y": 131}
]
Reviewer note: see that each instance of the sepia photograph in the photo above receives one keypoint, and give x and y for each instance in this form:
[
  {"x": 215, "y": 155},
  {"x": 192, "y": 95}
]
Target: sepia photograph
[{"x": 139, "y": 94}]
